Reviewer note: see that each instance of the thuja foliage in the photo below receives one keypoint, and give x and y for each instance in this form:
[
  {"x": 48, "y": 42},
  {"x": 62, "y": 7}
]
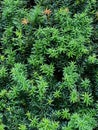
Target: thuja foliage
[{"x": 48, "y": 65}]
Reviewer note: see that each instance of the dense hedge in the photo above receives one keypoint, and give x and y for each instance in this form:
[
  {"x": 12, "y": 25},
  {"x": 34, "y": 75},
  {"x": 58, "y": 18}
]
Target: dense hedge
[{"x": 49, "y": 65}]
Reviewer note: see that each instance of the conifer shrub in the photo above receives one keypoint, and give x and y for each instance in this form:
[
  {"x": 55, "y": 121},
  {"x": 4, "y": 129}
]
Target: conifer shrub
[{"x": 48, "y": 65}]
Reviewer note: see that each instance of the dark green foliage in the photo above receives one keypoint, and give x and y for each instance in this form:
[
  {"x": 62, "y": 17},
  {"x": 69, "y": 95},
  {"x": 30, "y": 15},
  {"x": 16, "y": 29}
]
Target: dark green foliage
[{"x": 48, "y": 65}]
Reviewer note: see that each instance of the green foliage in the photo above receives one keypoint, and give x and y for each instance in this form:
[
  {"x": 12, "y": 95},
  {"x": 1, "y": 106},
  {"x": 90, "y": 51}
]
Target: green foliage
[
  {"x": 87, "y": 98},
  {"x": 22, "y": 127},
  {"x": 70, "y": 76},
  {"x": 46, "y": 124},
  {"x": 65, "y": 114},
  {"x": 82, "y": 123},
  {"x": 48, "y": 65},
  {"x": 1, "y": 127},
  {"x": 74, "y": 96}
]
